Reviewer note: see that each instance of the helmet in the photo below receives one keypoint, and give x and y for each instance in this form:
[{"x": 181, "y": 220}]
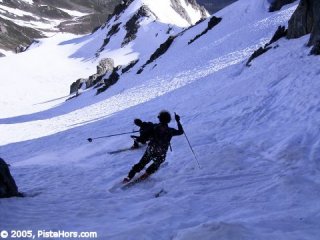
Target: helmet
[
  {"x": 164, "y": 117},
  {"x": 137, "y": 122}
]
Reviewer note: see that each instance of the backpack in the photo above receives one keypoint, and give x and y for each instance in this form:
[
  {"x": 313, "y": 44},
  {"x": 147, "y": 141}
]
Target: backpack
[
  {"x": 161, "y": 136},
  {"x": 146, "y": 131}
]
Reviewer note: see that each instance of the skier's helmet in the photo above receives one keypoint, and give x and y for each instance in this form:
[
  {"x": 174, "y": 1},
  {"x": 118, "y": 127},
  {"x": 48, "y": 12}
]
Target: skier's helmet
[
  {"x": 164, "y": 117},
  {"x": 138, "y": 122}
]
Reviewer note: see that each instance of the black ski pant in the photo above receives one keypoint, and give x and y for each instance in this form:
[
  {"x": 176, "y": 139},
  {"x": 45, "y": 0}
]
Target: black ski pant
[{"x": 158, "y": 156}]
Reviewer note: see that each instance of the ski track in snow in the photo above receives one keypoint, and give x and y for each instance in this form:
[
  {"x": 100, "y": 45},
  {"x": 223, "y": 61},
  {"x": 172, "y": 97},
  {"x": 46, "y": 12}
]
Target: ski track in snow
[{"x": 253, "y": 129}]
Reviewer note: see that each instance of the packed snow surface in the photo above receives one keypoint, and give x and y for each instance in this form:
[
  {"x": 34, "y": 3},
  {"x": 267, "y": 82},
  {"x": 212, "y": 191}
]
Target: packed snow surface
[{"x": 254, "y": 131}]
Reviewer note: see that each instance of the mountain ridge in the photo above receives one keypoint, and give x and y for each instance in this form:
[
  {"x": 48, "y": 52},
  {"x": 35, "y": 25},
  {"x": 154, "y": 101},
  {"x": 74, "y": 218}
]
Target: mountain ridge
[{"x": 23, "y": 21}]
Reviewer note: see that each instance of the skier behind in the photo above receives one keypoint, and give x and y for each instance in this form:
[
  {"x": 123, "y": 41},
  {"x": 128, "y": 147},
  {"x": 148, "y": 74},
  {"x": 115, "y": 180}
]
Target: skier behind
[
  {"x": 146, "y": 129},
  {"x": 157, "y": 147}
]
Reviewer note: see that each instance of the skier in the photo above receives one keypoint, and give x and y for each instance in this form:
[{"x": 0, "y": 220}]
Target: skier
[
  {"x": 158, "y": 146},
  {"x": 146, "y": 129}
]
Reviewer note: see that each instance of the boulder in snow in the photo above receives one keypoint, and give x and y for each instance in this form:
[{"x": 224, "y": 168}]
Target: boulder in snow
[
  {"x": 316, "y": 49},
  {"x": 305, "y": 20},
  {"x": 75, "y": 86},
  {"x": 278, "y": 4},
  {"x": 8, "y": 187},
  {"x": 110, "y": 80},
  {"x": 105, "y": 65}
]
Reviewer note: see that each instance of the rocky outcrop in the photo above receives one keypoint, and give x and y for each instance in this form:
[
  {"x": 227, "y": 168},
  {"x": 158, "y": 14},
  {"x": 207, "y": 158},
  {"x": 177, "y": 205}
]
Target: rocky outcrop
[
  {"x": 280, "y": 33},
  {"x": 306, "y": 20},
  {"x": 105, "y": 65},
  {"x": 211, "y": 24},
  {"x": 110, "y": 80},
  {"x": 132, "y": 26},
  {"x": 53, "y": 12},
  {"x": 8, "y": 187},
  {"x": 257, "y": 53},
  {"x": 120, "y": 8},
  {"x": 75, "y": 86},
  {"x": 316, "y": 49},
  {"x": 276, "y": 5},
  {"x": 13, "y": 35},
  {"x": 113, "y": 30},
  {"x": 160, "y": 51},
  {"x": 129, "y": 66}
]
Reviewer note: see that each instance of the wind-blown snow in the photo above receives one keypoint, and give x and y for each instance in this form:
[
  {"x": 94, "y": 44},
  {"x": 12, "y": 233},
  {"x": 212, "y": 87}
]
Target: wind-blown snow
[{"x": 254, "y": 131}]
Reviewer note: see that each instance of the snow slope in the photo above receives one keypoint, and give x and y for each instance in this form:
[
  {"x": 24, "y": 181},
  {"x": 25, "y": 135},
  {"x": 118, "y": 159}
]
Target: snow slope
[
  {"x": 39, "y": 76},
  {"x": 254, "y": 131}
]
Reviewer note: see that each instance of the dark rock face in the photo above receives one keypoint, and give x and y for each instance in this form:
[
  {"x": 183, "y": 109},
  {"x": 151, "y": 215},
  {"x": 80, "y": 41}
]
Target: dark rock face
[
  {"x": 316, "y": 49},
  {"x": 280, "y": 33},
  {"x": 315, "y": 32},
  {"x": 52, "y": 12},
  {"x": 111, "y": 80},
  {"x": 13, "y": 35},
  {"x": 105, "y": 65},
  {"x": 130, "y": 65},
  {"x": 113, "y": 30},
  {"x": 257, "y": 53},
  {"x": 8, "y": 187},
  {"x": 121, "y": 7},
  {"x": 211, "y": 24},
  {"x": 305, "y": 20},
  {"x": 160, "y": 51},
  {"x": 76, "y": 85},
  {"x": 132, "y": 26},
  {"x": 276, "y": 5}
]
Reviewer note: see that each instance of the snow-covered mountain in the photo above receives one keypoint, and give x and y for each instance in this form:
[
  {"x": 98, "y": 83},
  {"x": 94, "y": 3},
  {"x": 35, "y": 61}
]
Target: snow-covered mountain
[
  {"x": 136, "y": 32},
  {"x": 123, "y": 38},
  {"x": 254, "y": 130},
  {"x": 21, "y": 21}
]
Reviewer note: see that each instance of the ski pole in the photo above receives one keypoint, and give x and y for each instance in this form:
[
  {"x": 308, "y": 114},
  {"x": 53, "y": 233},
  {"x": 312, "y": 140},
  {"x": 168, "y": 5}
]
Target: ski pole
[
  {"x": 113, "y": 135},
  {"x": 192, "y": 149},
  {"x": 195, "y": 157}
]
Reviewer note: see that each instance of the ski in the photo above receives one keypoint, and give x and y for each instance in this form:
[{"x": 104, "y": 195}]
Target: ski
[
  {"x": 122, "y": 150},
  {"x": 134, "y": 182}
]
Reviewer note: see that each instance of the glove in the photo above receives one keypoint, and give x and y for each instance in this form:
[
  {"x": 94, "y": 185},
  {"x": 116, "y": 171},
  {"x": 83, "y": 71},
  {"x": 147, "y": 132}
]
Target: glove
[{"x": 177, "y": 117}]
